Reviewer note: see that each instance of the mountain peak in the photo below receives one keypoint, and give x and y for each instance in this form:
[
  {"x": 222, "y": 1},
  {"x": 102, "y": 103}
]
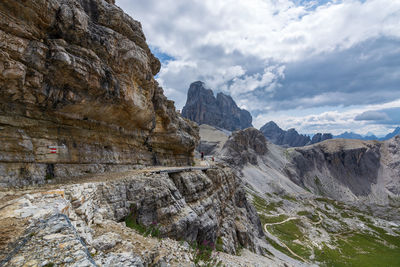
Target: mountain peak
[{"x": 221, "y": 111}]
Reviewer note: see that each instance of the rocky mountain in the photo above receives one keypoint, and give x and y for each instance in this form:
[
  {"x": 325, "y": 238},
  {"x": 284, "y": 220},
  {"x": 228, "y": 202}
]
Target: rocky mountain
[
  {"x": 197, "y": 207},
  {"x": 321, "y": 137},
  {"x": 391, "y": 135},
  {"x": 244, "y": 147},
  {"x": 290, "y": 138},
  {"x": 351, "y": 135},
  {"x": 349, "y": 170},
  {"x": 77, "y": 77},
  {"x": 369, "y": 136},
  {"x": 329, "y": 204},
  {"x": 342, "y": 169},
  {"x": 280, "y": 137},
  {"x": 221, "y": 111},
  {"x": 90, "y": 150}
]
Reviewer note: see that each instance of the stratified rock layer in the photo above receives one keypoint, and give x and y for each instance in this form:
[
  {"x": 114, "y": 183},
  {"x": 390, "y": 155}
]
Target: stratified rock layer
[
  {"x": 60, "y": 225},
  {"x": 348, "y": 169},
  {"x": 222, "y": 111},
  {"x": 78, "y": 75}
]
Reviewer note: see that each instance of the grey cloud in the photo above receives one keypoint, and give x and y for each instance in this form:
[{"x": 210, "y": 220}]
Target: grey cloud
[
  {"x": 346, "y": 77},
  {"x": 368, "y": 73},
  {"x": 372, "y": 115}
]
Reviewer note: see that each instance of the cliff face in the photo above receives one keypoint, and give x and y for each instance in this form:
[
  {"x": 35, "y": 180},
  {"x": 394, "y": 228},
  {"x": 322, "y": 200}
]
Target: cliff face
[
  {"x": 317, "y": 138},
  {"x": 78, "y": 75},
  {"x": 222, "y": 111},
  {"x": 244, "y": 147},
  {"x": 349, "y": 169},
  {"x": 280, "y": 137},
  {"x": 207, "y": 207}
]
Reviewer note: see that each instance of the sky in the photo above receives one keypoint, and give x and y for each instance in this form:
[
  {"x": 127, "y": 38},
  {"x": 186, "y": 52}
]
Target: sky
[{"x": 317, "y": 66}]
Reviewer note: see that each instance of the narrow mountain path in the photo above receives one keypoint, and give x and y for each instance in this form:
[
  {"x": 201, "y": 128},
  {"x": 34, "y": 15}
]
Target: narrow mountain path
[
  {"x": 99, "y": 177},
  {"x": 288, "y": 219},
  {"x": 320, "y": 219},
  {"x": 281, "y": 243}
]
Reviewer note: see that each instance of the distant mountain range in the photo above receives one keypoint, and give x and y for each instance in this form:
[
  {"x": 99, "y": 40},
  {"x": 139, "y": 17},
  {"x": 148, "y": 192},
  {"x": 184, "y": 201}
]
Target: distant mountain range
[
  {"x": 290, "y": 138},
  {"x": 222, "y": 112},
  {"x": 351, "y": 135}
]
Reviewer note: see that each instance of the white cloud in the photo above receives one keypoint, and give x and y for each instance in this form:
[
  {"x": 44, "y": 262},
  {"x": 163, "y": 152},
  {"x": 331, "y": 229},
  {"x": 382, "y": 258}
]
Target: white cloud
[
  {"x": 333, "y": 121},
  {"x": 245, "y": 48}
]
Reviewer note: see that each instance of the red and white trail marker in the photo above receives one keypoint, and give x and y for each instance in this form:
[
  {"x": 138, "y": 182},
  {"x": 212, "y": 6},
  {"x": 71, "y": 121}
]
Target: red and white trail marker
[{"x": 53, "y": 149}]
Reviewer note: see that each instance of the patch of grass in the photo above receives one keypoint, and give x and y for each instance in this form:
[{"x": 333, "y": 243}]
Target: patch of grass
[
  {"x": 318, "y": 184},
  {"x": 152, "y": 230},
  {"x": 49, "y": 265},
  {"x": 202, "y": 252},
  {"x": 345, "y": 214},
  {"x": 288, "y": 232},
  {"x": 317, "y": 181},
  {"x": 289, "y": 198},
  {"x": 361, "y": 249},
  {"x": 364, "y": 219},
  {"x": 267, "y": 252},
  {"x": 287, "y": 154},
  {"x": 334, "y": 203},
  {"x": 218, "y": 244},
  {"x": 272, "y": 219},
  {"x": 280, "y": 248},
  {"x": 327, "y": 214},
  {"x": 262, "y": 205},
  {"x": 310, "y": 215}
]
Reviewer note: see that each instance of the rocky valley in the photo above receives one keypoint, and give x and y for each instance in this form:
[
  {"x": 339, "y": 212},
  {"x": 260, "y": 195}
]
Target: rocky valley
[
  {"x": 333, "y": 203},
  {"x": 97, "y": 168},
  {"x": 83, "y": 123}
]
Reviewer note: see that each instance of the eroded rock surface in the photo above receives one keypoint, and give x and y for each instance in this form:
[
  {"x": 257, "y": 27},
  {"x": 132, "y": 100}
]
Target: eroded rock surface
[
  {"x": 78, "y": 75},
  {"x": 195, "y": 206},
  {"x": 244, "y": 147},
  {"x": 348, "y": 169}
]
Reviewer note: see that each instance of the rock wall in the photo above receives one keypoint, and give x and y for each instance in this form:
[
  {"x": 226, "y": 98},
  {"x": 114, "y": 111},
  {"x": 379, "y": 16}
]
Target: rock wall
[
  {"x": 77, "y": 75},
  {"x": 348, "y": 169},
  {"x": 243, "y": 147},
  {"x": 221, "y": 111},
  {"x": 196, "y": 206}
]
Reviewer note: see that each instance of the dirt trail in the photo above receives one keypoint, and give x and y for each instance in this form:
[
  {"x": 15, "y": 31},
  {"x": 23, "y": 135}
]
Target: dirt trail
[
  {"x": 281, "y": 243},
  {"x": 288, "y": 219},
  {"x": 8, "y": 194}
]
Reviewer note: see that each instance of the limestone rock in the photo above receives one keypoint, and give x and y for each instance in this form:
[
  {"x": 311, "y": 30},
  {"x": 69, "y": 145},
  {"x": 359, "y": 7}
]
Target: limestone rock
[
  {"x": 348, "y": 169},
  {"x": 278, "y": 136},
  {"x": 244, "y": 147},
  {"x": 196, "y": 206},
  {"x": 317, "y": 138},
  {"x": 211, "y": 139},
  {"x": 78, "y": 75},
  {"x": 222, "y": 111}
]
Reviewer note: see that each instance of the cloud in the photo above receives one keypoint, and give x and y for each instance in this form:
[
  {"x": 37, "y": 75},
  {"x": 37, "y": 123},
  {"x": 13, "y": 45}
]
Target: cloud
[
  {"x": 279, "y": 57},
  {"x": 372, "y": 115}
]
